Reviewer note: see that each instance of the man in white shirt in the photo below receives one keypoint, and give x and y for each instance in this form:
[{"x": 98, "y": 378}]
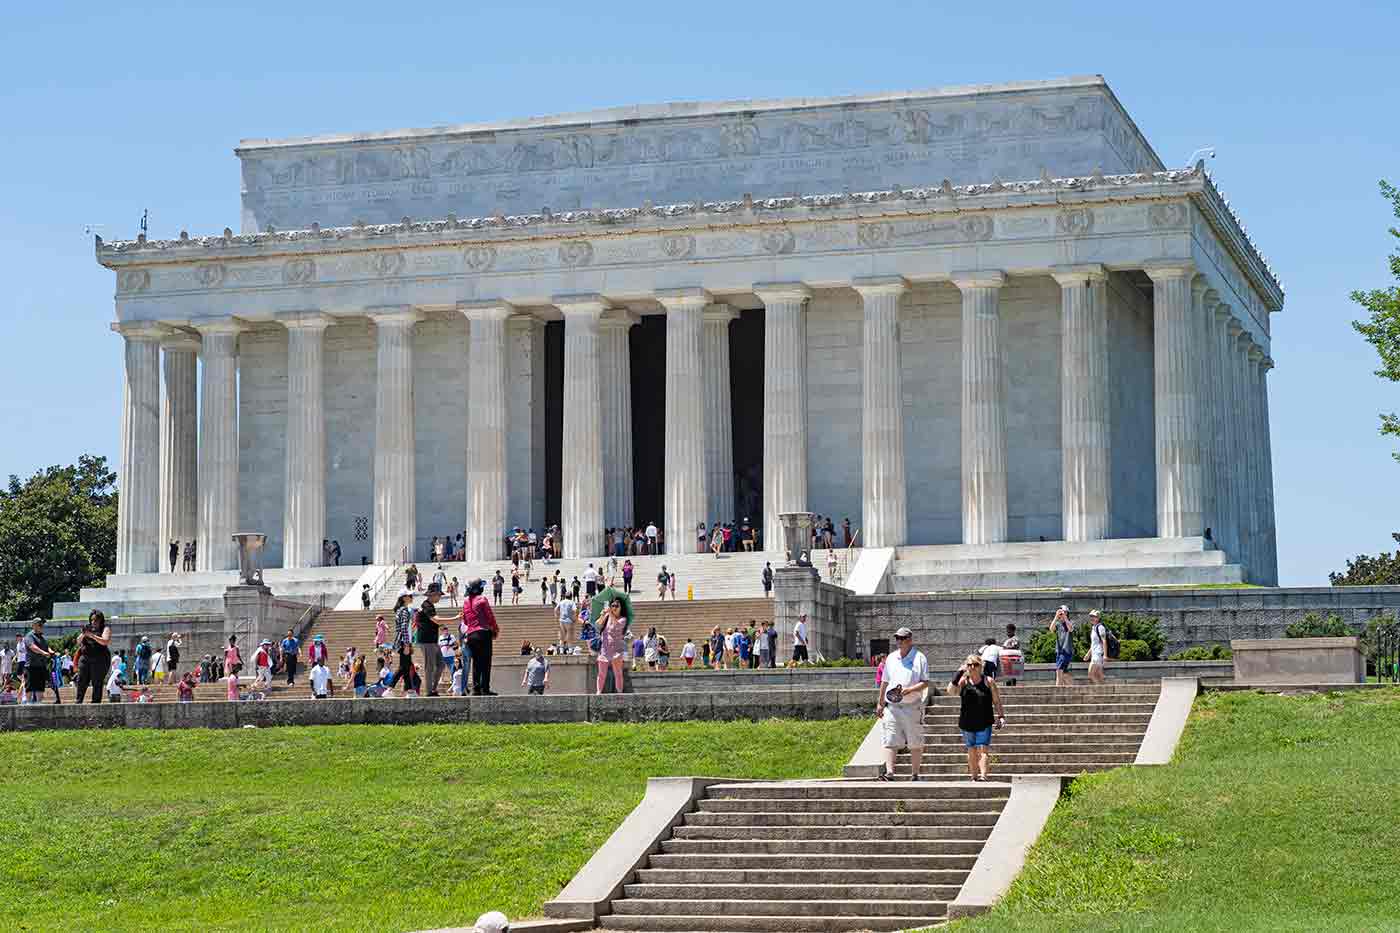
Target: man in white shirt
[
  {"x": 590, "y": 581},
  {"x": 7, "y": 662},
  {"x": 568, "y": 613},
  {"x": 321, "y": 686},
  {"x": 901, "y": 711},
  {"x": 1098, "y": 647},
  {"x": 688, "y": 653},
  {"x": 799, "y": 639},
  {"x": 651, "y": 533}
]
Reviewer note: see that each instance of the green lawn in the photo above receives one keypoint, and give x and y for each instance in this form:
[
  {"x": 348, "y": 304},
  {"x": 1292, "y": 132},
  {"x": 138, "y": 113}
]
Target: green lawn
[
  {"x": 375, "y": 828},
  {"x": 1279, "y": 814}
]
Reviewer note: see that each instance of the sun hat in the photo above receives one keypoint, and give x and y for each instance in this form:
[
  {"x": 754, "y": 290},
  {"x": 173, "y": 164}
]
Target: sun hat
[{"x": 903, "y": 632}]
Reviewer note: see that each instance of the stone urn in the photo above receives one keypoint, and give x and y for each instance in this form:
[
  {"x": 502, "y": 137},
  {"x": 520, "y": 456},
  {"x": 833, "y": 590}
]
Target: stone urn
[
  {"x": 797, "y": 537},
  {"x": 250, "y": 548}
]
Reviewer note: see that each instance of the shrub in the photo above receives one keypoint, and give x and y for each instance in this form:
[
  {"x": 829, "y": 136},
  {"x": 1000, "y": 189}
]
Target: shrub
[
  {"x": 1313, "y": 625},
  {"x": 1145, "y": 629},
  {"x": 1134, "y": 649},
  {"x": 1203, "y": 653}
]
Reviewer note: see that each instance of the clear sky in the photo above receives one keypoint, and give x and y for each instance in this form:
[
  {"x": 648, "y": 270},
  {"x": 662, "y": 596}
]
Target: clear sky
[{"x": 111, "y": 108}]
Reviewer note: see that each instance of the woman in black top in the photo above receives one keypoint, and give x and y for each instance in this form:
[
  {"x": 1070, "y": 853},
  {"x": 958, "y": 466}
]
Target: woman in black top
[
  {"x": 979, "y": 696},
  {"x": 95, "y": 657}
]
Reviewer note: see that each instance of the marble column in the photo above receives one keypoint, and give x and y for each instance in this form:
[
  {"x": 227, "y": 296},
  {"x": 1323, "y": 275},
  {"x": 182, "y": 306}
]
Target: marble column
[
  {"x": 719, "y": 415},
  {"x": 884, "y": 492},
  {"x": 1239, "y": 368},
  {"x": 179, "y": 445},
  {"x": 304, "y": 518},
  {"x": 615, "y": 392},
  {"x": 983, "y": 409},
  {"x": 395, "y": 494},
  {"x": 1258, "y": 570},
  {"x": 686, "y": 502},
  {"x": 785, "y": 405},
  {"x": 525, "y": 403},
  {"x": 1228, "y": 535},
  {"x": 488, "y": 481},
  {"x": 1200, "y": 345},
  {"x": 1266, "y": 454},
  {"x": 139, "y": 548},
  {"x": 581, "y": 497},
  {"x": 218, "y": 445},
  {"x": 1180, "y": 504},
  {"x": 1084, "y": 404}
]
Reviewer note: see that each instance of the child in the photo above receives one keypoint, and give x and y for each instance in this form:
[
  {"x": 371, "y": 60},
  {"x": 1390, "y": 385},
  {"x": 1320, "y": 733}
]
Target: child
[
  {"x": 185, "y": 687},
  {"x": 638, "y": 652},
  {"x": 381, "y": 631},
  {"x": 158, "y": 664},
  {"x": 232, "y": 681},
  {"x": 688, "y": 652},
  {"x": 144, "y": 696}
]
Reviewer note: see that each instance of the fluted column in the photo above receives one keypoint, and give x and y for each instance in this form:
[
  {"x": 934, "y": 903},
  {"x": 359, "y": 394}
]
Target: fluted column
[
  {"x": 1228, "y": 534},
  {"x": 488, "y": 480},
  {"x": 686, "y": 504},
  {"x": 615, "y": 390},
  {"x": 1266, "y": 455},
  {"x": 784, "y": 405},
  {"x": 1201, "y": 315},
  {"x": 983, "y": 409},
  {"x": 1084, "y": 408},
  {"x": 218, "y": 445},
  {"x": 304, "y": 518},
  {"x": 582, "y": 494},
  {"x": 719, "y": 416},
  {"x": 179, "y": 443},
  {"x": 138, "y": 505},
  {"x": 1254, "y": 357},
  {"x": 1180, "y": 503},
  {"x": 395, "y": 495},
  {"x": 1237, "y": 347},
  {"x": 884, "y": 496}
]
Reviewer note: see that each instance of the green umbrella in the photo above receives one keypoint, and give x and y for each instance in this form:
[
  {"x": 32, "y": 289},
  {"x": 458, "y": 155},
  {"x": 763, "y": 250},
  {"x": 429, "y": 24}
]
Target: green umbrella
[{"x": 595, "y": 608}]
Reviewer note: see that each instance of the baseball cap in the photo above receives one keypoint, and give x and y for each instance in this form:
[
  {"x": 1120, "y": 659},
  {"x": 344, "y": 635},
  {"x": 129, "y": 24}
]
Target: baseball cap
[{"x": 903, "y": 632}]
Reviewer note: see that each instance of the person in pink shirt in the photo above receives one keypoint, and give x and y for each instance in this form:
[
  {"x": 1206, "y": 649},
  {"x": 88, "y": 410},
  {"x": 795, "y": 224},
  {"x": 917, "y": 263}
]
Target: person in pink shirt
[
  {"x": 232, "y": 686},
  {"x": 233, "y": 663},
  {"x": 612, "y": 630},
  {"x": 479, "y": 622},
  {"x": 381, "y": 631}
]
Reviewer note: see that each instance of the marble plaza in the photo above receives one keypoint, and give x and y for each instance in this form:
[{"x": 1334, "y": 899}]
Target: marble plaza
[{"x": 979, "y": 319}]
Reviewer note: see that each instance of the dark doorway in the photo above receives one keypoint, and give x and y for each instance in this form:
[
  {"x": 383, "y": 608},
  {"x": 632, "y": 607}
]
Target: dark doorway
[
  {"x": 553, "y": 420},
  {"x": 648, "y": 348},
  {"x": 746, "y": 407}
]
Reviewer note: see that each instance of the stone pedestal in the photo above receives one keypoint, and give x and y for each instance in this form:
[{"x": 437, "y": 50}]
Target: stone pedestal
[
  {"x": 798, "y": 591},
  {"x": 983, "y": 409},
  {"x": 785, "y": 402},
  {"x": 686, "y": 504},
  {"x": 615, "y": 388},
  {"x": 1084, "y": 408},
  {"x": 797, "y": 537},
  {"x": 488, "y": 484},
  {"x": 1298, "y": 661},
  {"x": 179, "y": 444},
  {"x": 395, "y": 495},
  {"x": 218, "y": 445},
  {"x": 719, "y": 416},
  {"x": 582, "y": 493},
  {"x": 884, "y": 502},
  {"x": 139, "y": 549},
  {"x": 1180, "y": 499},
  {"x": 304, "y": 522},
  {"x": 249, "y": 614}
]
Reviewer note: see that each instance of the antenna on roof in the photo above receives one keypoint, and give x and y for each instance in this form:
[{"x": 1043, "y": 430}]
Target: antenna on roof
[{"x": 145, "y": 215}]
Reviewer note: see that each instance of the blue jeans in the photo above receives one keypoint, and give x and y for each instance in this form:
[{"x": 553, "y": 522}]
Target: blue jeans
[{"x": 982, "y": 738}]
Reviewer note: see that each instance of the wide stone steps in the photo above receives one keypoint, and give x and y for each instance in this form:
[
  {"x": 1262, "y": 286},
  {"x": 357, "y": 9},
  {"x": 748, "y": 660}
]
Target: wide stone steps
[
  {"x": 999, "y": 757},
  {"x": 911, "y": 831},
  {"x": 829, "y": 846},
  {"x": 1003, "y": 744},
  {"x": 835, "y": 809},
  {"x": 932, "y": 913},
  {"x": 845, "y": 789},
  {"x": 790, "y": 878},
  {"x": 1003, "y": 771},
  {"x": 880, "y": 817},
  {"x": 776, "y": 908},
  {"x": 718, "y": 889},
  {"x": 727, "y": 860}
]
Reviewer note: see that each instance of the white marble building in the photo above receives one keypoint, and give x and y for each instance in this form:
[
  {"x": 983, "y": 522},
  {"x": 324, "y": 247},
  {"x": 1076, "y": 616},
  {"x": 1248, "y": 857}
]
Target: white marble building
[{"x": 990, "y": 315}]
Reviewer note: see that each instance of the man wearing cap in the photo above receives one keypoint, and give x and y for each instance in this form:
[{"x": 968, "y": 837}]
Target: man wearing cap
[
  {"x": 262, "y": 664},
  {"x": 799, "y": 639},
  {"x": 900, "y": 703},
  {"x": 1098, "y": 647},
  {"x": 1064, "y": 647},
  {"x": 36, "y": 669}
]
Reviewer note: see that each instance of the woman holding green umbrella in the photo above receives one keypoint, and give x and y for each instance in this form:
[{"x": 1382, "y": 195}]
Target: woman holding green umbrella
[{"x": 613, "y": 612}]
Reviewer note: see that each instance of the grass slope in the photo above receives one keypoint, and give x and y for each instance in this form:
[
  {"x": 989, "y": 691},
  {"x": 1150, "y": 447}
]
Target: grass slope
[
  {"x": 1279, "y": 814},
  {"x": 343, "y": 827}
]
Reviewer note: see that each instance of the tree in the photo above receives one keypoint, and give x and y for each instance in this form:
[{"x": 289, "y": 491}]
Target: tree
[
  {"x": 1382, "y": 328},
  {"x": 58, "y": 533},
  {"x": 1364, "y": 570}
]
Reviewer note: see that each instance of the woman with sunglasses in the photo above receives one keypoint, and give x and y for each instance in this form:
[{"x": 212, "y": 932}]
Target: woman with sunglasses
[{"x": 612, "y": 628}]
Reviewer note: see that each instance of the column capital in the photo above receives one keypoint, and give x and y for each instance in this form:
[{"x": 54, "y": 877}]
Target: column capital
[
  {"x": 986, "y": 278},
  {"x": 1267, "y": 363},
  {"x": 677, "y": 299},
  {"x": 495, "y": 310},
  {"x": 140, "y": 330},
  {"x": 1223, "y": 311},
  {"x": 621, "y": 318},
  {"x": 180, "y": 341},
  {"x": 1234, "y": 327},
  {"x": 218, "y": 326},
  {"x": 590, "y": 304},
  {"x": 720, "y": 313},
  {"x": 304, "y": 320},
  {"x": 1256, "y": 353},
  {"x": 1211, "y": 297},
  {"x": 872, "y": 285},
  {"x": 394, "y": 315},
  {"x": 1166, "y": 270},
  {"x": 1199, "y": 287},
  {"x": 782, "y": 291},
  {"x": 1079, "y": 275}
]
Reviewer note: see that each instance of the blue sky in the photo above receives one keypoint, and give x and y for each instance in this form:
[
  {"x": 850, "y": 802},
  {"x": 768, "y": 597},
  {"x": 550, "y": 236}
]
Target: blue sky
[{"x": 109, "y": 109}]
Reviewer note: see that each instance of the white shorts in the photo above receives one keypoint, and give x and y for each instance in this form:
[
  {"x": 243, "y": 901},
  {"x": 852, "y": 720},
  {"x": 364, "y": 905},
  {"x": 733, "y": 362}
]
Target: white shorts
[
  {"x": 903, "y": 724},
  {"x": 1095, "y": 657}
]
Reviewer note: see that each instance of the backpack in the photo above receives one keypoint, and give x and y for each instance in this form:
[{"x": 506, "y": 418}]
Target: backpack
[{"x": 1110, "y": 643}]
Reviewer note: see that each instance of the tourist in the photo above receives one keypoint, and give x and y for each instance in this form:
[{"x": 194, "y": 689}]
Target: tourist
[
  {"x": 846, "y": 531},
  {"x": 743, "y": 648},
  {"x": 447, "y": 647},
  {"x": 403, "y": 641},
  {"x": 320, "y": 676},
  {"x": 716, "y": 646},
  {"x": 767, "y": 578},
  {"x": 113, "y": 684},
  {"x": 663, "y": 654},
  {"x": 316, "y": 652},
  {"x": 172, "y": 655},
  {"x": 770, "y": 633},
  {"x": 576, "y": 587},
  {"x": 663, "y": 582},
  {"x": 639, "y": 650},
  {"x": 143, "y": 660},
  {"x": 37, "y": 655},
  {"x": 184, "y": 687},
  {"x": 291, "y": 645},
  {"x": 688, "y": 652},
  {"x": 189, "y": 556},
  {"x": 536, "y": 676},
  {"x": 365, "y": 598},
  {"x": 799, "y": 639},
  {"x": 627, "y": 571},
  {"x": 831, "y": 565},
  {"x": 453, "y": 588},
  {"x": 1064, "y": 647},
  {"x": 717, "y": 542},
  {"x": 174, "y": 553},
  {"x": 652, "y": 534},
  {"x": 731, "y": 648},
  {"x": 325, "y": 552},
  {"x": 544, "y": 591},
  {"x": 671, "y": 581},
  {"x": 651, "y": 648},
  {"x": 481, "y": 629},
  {"x": 381, "y": 632},
  {"x": 590, "y": 582},
  {"x": 978, "y": 696},
  {"x": 94, "y": 656},
  {"x": 428, "y": 631},
  {"x": 410, "y": 578},
  {"x": 1011, "y": 661},
  {"x": 233, "y": 662},
  {"x": 7, "y": 662},
  {"x": 764, "y": 655},
  {"x": 231, "y": 683},
  {"x": 568, "y": 612},
  {"x": 1098, "y": 647},
  {"x": 991, "y": 657},
  {"x": 899, "y": 703},
  {"x": 357, "y": 675},
  {"x": 262, "y": 664},
  {"x": 335, "y": 552},
  {"x": 612, "y": 629},
  {"x": 440, "y": 577},
  {"x": 498, "y": 585},
  {"x": 515, "y": 587}
]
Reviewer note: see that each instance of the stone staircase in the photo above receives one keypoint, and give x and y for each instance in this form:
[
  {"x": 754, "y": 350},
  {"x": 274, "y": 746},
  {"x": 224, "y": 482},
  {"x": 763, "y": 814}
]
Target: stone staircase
[
  {"x": 812, "y": 856},
  {"x": 1049, "y": 730}
]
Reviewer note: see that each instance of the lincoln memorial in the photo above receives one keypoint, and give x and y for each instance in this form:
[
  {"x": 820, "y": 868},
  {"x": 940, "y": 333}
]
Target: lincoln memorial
[{"x": 990, "y": 320}]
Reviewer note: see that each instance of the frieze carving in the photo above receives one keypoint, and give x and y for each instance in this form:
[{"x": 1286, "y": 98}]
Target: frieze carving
[
  {"x": 299, "y": 271},
  {"x": 386, "y": 264},
  {"x": 777, "y": 242},
  {"x": 975, "y": 227},
  {"x": 576, "y": 252},
  {"x": 210, "y": 275},
  {"x": 130, "y": 281},
  {"x": 1075, "y": 222},
  {"x": 875, "y": 236},
  {"x": 480, "y": 258},
  {"x": 678, "y": 245},
  {"x": 1170, "y": 215}
]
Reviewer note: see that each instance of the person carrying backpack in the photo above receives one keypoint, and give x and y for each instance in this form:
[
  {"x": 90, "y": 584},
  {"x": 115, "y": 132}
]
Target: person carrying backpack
[{"x": 1103, "y": 646}]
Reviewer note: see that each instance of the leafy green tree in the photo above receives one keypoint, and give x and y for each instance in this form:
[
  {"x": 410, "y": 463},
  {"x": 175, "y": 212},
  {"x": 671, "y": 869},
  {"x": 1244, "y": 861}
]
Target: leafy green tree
[
  {"x": 1145, "y": 631},
  {"x": 58, "y": 533},
  {"x": 1382, "y": 328},
  {"x": 1314, "y": 625},
  {"x": 1365, "y": 570}
]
